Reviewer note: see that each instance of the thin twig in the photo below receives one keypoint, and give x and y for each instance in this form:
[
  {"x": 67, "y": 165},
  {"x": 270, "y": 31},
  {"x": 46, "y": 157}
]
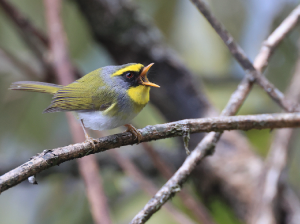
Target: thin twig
[
  {"x": 22, "y": 22},
  {"x": 20, "y": 65},
  {"x": 131, "y": 170},
  {"x": 34, "y": 39},
  {"x": 252, "y": 74},
  {"x": 194, "y": 206},
  {"x": 263, "y": 208},
  {"x": 174, "y": 184},
  {"x": 52, "y": 157},
  {"x": 208, "y": 143},
  {"x": 88, "y": 166},
  {"x": 261, "y": 60}
]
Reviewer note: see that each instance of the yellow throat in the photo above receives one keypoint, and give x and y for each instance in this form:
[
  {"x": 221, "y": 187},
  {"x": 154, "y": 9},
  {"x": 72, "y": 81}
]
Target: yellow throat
[{"x": 139, "y": 94}]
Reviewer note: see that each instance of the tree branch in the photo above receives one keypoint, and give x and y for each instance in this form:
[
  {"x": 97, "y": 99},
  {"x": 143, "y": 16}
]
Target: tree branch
[
  {"x": 88, "y": 166},
  {"x": 198, "y": 209},
  {"x": 120, "y": 39},
  {"x": 52, "y": 157},
  {"x": 287, "y": 25},
  {"x": 252, "y": 74},
  {"x": 174, "y": 184},
  {"x": 34, "y": 39},
  {"x": 166, "y": 69},
  {"x": 208, "y": 143},
  {"x": 268, "y": 191}
]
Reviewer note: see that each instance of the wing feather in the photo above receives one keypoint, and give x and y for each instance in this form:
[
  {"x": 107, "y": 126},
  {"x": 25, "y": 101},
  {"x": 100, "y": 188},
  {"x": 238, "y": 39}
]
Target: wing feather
[{"x": 84, "y": 94}]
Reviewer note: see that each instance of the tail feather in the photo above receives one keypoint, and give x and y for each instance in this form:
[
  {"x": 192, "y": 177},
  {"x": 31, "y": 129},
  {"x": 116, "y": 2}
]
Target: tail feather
[{"x": 41, "y": 87}]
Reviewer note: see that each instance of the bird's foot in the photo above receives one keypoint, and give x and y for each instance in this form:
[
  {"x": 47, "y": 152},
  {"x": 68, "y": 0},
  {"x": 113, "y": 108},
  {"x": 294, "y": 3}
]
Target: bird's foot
[
  {"x": 88, "y": 139},
  {"x": 134, "y": 132},
  {"x": 91, "y": 140}
]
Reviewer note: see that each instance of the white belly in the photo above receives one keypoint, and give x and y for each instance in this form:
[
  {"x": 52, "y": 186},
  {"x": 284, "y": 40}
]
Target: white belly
[{"x": 97, "y": 121}]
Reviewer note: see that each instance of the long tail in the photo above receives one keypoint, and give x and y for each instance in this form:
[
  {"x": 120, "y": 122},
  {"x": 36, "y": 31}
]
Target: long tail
[{"x": 41, "y": 87}]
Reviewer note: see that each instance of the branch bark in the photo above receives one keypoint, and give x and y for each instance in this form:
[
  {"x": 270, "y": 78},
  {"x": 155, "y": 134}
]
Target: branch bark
[
  {"x": 124, "y": 50},
  {"x": 252, "y": 74},
  {"x": 207, "y": 145},
  {"x": 264, "y": 208},
  {"x": 120, "y": 35},
  {"x": 52, "y": 157},
  {"x": 196, "y": 207}
]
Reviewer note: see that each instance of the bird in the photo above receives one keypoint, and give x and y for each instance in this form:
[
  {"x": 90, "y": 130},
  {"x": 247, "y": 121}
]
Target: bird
[{"x": 103, "y": 99}]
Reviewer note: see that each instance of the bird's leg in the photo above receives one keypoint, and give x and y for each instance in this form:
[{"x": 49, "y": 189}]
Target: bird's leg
[
  {"x": 87, "y": 137},
  {"x": 134, "y": 132}
]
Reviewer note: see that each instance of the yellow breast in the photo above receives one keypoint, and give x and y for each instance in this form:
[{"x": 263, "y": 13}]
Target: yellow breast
[{"x": 139, "y": 94}]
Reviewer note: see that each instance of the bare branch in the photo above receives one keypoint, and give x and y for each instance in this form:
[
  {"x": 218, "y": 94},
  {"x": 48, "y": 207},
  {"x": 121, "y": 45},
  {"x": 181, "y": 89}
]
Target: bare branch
[
  {"x": 208, "y": 143},
  {"x": 240, "y": 56},
  {"x": 34, "y": 39},
  {"x": 124, "y": 49},
  {"x": 37, "y": 41},
  {"x": 52, "y": 157},
  {"x": 65, "y": 73},
  {"x": 194, "y": 206},
  {"x": 261, "y": 60},
  {"x": 268, "y": 189},
  {"x": 184, "y": 70},
  {"x": 174, "y": 184}
]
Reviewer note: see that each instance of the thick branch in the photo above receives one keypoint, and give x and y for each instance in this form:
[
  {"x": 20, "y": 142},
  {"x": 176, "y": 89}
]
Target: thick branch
[
  {"x": 172, "y": 67},
  {"x": 208, "y": 143},
  {"x": 120, "y": 35},
  {"x": 52, "y": 157}
]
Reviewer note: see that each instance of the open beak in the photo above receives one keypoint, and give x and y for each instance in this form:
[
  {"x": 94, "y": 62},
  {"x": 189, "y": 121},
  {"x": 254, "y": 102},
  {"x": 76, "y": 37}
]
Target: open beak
[{"x": 143, "y": 77}]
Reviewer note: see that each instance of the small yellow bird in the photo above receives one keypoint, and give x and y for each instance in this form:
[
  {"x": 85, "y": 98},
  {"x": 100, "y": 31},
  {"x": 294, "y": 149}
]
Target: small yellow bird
[{"x": 104, "y": 99}]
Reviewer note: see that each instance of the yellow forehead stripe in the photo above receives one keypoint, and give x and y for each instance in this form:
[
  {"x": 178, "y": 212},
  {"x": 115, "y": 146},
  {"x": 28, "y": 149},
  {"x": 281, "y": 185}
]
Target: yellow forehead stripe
[{"x": 133, "y": 68}]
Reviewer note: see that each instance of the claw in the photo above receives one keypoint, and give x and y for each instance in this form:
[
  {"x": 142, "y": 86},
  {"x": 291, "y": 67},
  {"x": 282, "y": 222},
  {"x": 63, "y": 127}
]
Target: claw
[
  {"x": 91, "y": 140},
  {"x": 134, "y": 132},
  {"x": 88, "y": 139}
]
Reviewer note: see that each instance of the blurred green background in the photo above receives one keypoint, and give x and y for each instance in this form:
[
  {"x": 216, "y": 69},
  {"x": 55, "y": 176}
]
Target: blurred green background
[{"x": 25, "y": 131}]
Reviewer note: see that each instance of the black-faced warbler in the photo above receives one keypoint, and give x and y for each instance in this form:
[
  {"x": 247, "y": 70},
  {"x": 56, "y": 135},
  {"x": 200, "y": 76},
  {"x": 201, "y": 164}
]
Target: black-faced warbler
[{"x": 103, "y": 99}]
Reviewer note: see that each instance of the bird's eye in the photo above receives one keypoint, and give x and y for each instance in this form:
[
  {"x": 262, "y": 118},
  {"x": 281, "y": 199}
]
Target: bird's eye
[{"x": 129, "y": 75}]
